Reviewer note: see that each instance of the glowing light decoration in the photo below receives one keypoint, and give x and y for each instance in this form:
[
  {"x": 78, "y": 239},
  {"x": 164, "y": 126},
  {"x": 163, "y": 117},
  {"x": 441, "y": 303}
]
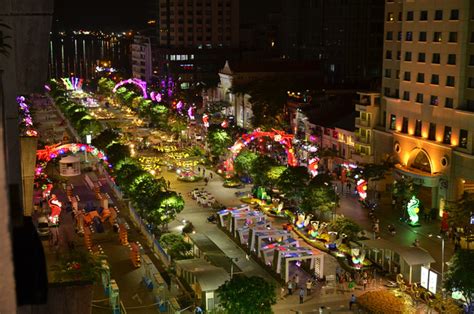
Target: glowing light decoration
[
  {"x": 53, "y": 151},
  {"x": 281, "y": 137},
  {"x": 205, "y": 120},
  {"x": 141, "y": 84},
  {"x": 55, "y": 206},
  {"x": 191, "y": 113},
  {"x": 362, "y": 189},
  {"x": 413, "y": 207},
  {"x": 72, "y": 83},
  {"x": 25, "y": 120},
  {"x": 155, "y": 96},
  {"x": 313, "y": 165}
]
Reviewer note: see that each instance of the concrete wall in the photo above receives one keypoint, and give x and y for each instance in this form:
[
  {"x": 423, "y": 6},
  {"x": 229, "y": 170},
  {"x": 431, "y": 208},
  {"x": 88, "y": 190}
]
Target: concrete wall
[{"x": 22, "y": 72}]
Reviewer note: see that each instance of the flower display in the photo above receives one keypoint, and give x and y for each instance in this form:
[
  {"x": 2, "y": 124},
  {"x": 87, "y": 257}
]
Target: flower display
[{"x": 382, "y": 301}]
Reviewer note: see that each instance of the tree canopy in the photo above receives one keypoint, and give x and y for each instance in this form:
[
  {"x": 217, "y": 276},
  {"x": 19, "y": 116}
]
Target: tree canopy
[
  {"x": 292, "y": 182},
  {"x": 460, "y": 211},
  {"x": 345, "y": 225},
  {"x": 175, "y": 246},
  {"x": 459, "y": 276},
  {"x": 247, "y": 295},
  {"x": 219, "y": 140},
  {"x": 243, "y": 163}
]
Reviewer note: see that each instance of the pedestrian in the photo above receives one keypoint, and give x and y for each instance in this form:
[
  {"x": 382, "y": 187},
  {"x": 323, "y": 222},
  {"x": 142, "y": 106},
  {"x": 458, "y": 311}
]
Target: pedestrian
[
  {"x": 204, "y": 171},
  {"x": 290, "y": 287},
  {"x": 309, "y": 285},
  {"x": 296, "y": 278},
  {"x": 282, "y": 293},
  {"x": 210, "y": 175},
  {"x": 352, "y": 301},
  {"x": 301, "y": 295},
  {"x": 169, "y": 184},
  {"x": 199, "y": 169},
  {"x": 206, "y": 180},
  {"x": 321, "y": 309},
  {"x": 198, "y": 310}
]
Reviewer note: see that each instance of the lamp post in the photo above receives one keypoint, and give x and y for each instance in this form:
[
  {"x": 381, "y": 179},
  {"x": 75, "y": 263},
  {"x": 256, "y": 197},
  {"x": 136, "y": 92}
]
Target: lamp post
[{"x": 442, "y": 256}]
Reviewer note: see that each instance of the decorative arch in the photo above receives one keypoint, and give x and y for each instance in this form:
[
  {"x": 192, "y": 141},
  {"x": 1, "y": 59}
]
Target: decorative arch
[
  {"x": 43, "y": 156},
  {"x": 281, "y": 137},
  {"x": 140, "y": 83},
  {"x": 420, "y": 159}
]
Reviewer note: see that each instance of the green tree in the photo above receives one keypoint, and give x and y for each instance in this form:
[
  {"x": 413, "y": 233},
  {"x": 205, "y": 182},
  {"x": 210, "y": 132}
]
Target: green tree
[
  {"x": 243, "y": 163},
  {"x": 292, "y": 183},
  {"x": 402, "y": 191},
  {"x": 247, "y": 295},
  {"x": 260, "y": 168},
  {"x": 159, "y": 116},
  {"x": 175, "y": 246},
  {"x": 143, "y": 191},
  {"x": 117, "y": 152},
  {"x": 105, "y": 138},
  {"x": 345, "y": 225},
  {"x": 459, "y": 213},
  {"x": 219, "y": 141},
  {"x": 105, "y": 86},
  {"x": 167, "y": 205},
  {"x": 320, "y": 200},
  {"x": 460, "y": 276}
]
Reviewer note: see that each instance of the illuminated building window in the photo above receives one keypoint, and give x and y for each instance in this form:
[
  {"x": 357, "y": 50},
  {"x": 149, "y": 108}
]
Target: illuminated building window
[
  {"x": 434, "y": 100},
  {"x": 393, "y": 121},
  {"x": 447, "y": 135},
  {"x": 463, "y": 138},
  {"x": 390, "y": 17},
  {"x": 437, "y": 37}
]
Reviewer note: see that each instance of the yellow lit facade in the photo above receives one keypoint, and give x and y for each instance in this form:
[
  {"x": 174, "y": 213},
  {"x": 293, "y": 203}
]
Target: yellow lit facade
[{"x": 426, "y": 122}]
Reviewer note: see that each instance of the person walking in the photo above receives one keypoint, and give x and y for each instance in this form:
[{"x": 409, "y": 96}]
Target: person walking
[
  {"x": 290, "y": 287},
  {"x": 169, "y": 184},
  {"x": 352, "y": 301},
  {"x": 210, "y": 175},
  {"x": 282, "y": 293},
  {"x": 309, "y": 285},
  {"x": 301, "y": 295}
]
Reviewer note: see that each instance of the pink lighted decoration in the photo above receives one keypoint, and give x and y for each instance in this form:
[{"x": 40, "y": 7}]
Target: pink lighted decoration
[{"x": 137, "y": 82}]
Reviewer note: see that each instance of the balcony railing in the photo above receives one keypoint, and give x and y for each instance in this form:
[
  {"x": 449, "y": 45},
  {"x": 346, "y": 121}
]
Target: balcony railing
[{"x": 361, "y": 122}]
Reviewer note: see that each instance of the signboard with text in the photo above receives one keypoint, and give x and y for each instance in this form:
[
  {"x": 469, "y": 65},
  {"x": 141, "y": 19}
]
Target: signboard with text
[{"x": 433, "y": 279}]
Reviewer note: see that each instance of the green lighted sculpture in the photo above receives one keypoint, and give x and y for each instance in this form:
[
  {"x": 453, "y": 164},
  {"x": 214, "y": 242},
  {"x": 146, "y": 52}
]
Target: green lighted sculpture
[{"x": 413, "y": 209}]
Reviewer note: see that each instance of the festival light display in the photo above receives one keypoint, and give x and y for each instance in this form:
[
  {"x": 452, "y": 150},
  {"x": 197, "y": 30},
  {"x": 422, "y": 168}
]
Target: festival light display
[
  {"x": 25, "y": 120},
  {"x": 281, "y": 137},
  {"x": 140, "y": 83},
  {"x": 55, "y": 206},
  {"x": 155, "y": 96},
  {"x": 72, "y": 83},
  {"x": 313, "y": 165},
  {"x": 191, "y": 112},
  {"x": 413, "y": 207},
  {"x": 362, "y": 189},
  {"x": 205, "y": 120},
  {"x": 53, "y": 151}
]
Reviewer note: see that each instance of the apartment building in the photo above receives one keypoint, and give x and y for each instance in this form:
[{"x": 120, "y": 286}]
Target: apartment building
[
  {"x": 205, "y": 32},
  {"x": 142, "y": 66},
  {"x": 427, "y": 111}
]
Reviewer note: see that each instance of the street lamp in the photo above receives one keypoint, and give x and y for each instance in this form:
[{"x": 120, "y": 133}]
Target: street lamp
[{"x": 442, "y": 255}]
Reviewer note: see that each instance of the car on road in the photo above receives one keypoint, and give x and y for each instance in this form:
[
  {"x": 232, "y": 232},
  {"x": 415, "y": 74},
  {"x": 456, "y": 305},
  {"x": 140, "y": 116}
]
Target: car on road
[{"x": 43, "y": 227}]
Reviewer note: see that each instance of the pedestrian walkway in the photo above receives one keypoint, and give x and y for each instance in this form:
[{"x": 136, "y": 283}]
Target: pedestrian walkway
[{"x": 405, "y": 234}]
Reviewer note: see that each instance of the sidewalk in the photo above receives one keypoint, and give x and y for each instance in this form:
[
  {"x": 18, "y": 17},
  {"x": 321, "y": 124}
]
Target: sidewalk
[{"x": 405, "y": 234}]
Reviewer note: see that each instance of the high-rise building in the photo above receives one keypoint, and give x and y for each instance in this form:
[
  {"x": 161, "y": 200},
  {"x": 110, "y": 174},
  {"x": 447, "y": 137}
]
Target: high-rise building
[
  {"x": 427, "y": 111},
  {"x": 141, "y": 58},
  {"x": 344, "y": 35},
  {"x": 196, "y": 37}
]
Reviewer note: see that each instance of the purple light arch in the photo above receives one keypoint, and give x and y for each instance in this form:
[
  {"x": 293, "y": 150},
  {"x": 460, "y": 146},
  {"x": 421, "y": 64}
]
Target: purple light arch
[{"x": 136, "y": 81}]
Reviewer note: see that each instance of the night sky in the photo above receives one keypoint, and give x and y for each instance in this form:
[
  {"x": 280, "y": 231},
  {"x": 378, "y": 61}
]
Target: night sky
[{"x": 107, "y": 15}]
